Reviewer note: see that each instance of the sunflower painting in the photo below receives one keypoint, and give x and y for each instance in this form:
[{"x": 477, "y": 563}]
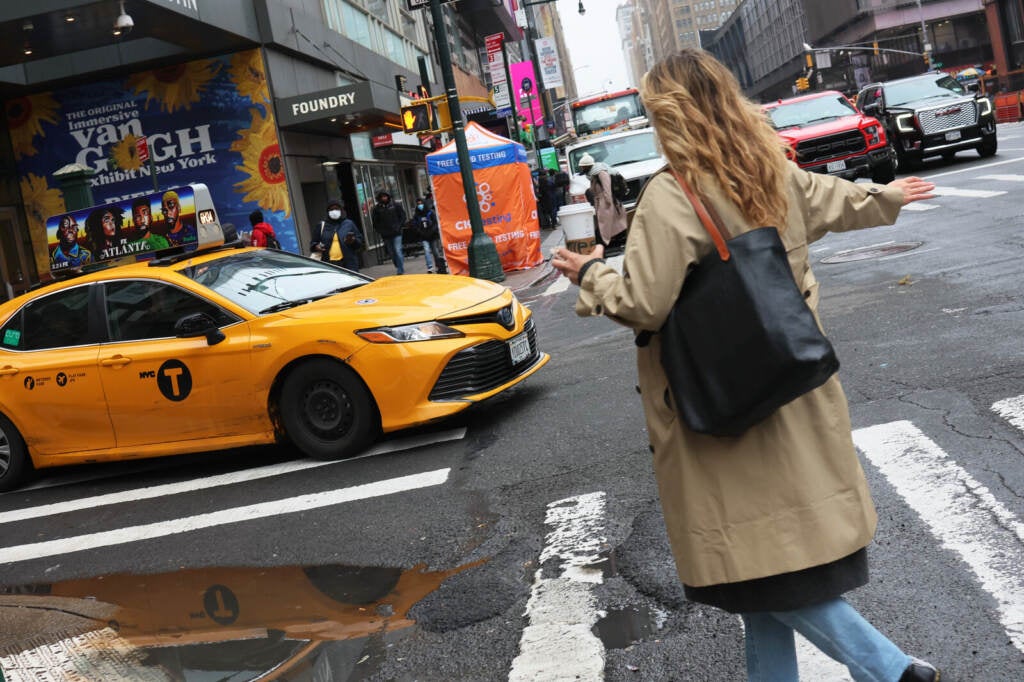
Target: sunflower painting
[
  {"x": 41, "y": 202},
  {"x": 262, "y": 163},
  {"x": 124, "y": 155},
  {"x": 175, "y": 87},
  {"x": 25, "y": 116},
  {"x": 246, "y": 72}
]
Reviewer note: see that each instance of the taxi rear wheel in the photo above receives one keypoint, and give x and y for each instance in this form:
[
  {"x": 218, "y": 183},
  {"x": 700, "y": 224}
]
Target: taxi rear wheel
[
  {"x": 327, "y": 411},
  {"x": 15, "y": 465}
]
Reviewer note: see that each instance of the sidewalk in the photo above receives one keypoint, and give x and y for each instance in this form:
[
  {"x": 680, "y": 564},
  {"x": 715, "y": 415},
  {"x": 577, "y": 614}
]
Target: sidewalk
[{"x": 516, "y": 280}]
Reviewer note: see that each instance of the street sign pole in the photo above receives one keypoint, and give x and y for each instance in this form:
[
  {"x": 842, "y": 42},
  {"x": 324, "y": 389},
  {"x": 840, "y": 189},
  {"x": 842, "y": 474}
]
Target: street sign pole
[{"x": 483, "y": 255}]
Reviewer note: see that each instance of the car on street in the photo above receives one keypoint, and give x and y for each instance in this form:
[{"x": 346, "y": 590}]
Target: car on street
[
  {"x": 229, "y": 346},
  {"x": 826, "y": 134},
  {"x": 931, "y": 115}
]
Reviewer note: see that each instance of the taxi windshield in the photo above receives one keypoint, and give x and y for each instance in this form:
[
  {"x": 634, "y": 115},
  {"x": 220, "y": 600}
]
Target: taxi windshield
[
  {"x": 266, "y": 281},
  {"x": 808, "y": 111}
]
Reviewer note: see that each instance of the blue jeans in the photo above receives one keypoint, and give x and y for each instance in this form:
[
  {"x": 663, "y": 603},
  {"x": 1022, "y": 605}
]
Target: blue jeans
[
  {"x": 395, "y": 245},
  {"x": 835, "y": 627},
  {"x": 427, "y": 255}
]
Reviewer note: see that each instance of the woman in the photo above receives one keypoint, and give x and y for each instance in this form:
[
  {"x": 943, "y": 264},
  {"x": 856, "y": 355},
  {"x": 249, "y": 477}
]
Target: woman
[
  {"x": 338, "y": 240},
  {"x": 772, "y": 524},
  {"x": 103, "y": 227}
]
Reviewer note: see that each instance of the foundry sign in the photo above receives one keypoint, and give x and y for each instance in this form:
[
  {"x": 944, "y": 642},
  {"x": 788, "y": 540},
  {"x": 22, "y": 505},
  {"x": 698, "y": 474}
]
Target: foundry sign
[{"x": 347, "y": 99}]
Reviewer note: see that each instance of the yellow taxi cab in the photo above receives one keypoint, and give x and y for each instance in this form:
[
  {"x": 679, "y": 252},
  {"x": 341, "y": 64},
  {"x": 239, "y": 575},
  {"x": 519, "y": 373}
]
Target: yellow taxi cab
[{"x": 225, "y": 346}]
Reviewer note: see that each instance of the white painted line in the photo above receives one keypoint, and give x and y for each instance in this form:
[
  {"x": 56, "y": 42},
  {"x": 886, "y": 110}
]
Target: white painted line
[
  {"x": 557, "y": 287},
  {"x": 971, "y": 193},
  {"x": 1012, "y": 410},
  {"x": 919, "y": 206},
  {"x": 222, "y": 479},
  {"x": 260, "y": 510},
  {"x": 1003, "y": 178},
  {"x": 963, "y": 514},
  {"x": 558, "y": 643},
  {"x": 972, "y": 169}
]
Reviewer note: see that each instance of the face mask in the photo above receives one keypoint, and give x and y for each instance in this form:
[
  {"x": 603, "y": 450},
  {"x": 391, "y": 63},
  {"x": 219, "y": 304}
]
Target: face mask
[
  {"x": 419, "y": 206},
  {"x": 334, "y": 215}
]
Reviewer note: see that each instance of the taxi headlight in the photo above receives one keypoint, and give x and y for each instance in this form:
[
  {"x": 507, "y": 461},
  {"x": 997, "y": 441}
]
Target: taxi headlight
[
  {"x": 984, "y": 106},
  {"x": 420, "y": 331},
  {"x": 905, "y": 123}
]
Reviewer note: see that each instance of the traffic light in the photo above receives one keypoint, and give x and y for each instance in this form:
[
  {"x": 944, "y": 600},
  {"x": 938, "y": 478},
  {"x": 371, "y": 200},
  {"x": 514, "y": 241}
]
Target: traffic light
[
  {"x": 418, "y": 117},
  {"x": 802, "y": 83}
]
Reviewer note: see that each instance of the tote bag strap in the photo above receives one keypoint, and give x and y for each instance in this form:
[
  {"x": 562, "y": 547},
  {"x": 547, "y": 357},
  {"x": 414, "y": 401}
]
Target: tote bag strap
[{"x": 712, "y": 223}]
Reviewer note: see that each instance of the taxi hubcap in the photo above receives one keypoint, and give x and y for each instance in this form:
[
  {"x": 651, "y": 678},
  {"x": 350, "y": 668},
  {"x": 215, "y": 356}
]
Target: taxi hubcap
[
  {"x": 5, "y": 453},
  {"x": 328, "y": 408}
]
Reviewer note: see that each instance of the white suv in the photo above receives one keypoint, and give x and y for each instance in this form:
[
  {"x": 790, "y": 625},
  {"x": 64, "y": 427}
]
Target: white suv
[{"x": 633, "y": 153}]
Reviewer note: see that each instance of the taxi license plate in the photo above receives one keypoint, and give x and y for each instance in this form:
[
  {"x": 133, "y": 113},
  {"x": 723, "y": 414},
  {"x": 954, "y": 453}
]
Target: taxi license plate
[
  {"x": 953, "y": 135},
  {"x": 834, "y": 166},
  {"x": 519, "y": 348}
]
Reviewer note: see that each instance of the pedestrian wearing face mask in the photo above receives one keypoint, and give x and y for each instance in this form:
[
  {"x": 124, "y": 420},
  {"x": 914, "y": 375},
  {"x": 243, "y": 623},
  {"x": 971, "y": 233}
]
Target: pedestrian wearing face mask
[
  {"x": 389, "y": 218},
  {"x": 425, "y": 222},
  {"x": 338, "y": 240}
]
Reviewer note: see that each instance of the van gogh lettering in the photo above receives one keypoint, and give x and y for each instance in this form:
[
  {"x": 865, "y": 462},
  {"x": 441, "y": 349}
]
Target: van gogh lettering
[
  {"x": 177, "y": 145},
  {"x": 324, "y": 103}
]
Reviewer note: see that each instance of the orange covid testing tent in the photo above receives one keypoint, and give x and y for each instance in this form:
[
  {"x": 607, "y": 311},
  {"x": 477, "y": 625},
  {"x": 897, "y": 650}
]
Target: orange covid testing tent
[{"x": 504, "y": 188}]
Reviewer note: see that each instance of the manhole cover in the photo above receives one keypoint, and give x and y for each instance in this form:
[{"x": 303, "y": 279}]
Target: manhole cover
[{"x": 866, "y": 252}]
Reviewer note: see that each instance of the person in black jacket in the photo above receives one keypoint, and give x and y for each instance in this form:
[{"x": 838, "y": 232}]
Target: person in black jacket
[
  {"x": 425, "y": 222},
  {"x": 388, "y": 219},
  {"x": 338, "y": 240}
]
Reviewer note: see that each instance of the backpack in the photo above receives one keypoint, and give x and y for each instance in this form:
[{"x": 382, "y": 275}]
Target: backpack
[
  {"x": 620, "y": 188},
  {"x": 272, "y": 242}
]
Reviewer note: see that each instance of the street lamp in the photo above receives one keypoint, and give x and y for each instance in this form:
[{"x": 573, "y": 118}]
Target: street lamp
[{"x": 861, "y": 48}]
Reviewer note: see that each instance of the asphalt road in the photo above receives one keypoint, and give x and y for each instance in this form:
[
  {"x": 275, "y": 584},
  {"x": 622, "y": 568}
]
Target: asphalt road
[{"x": 523, "y": 540}]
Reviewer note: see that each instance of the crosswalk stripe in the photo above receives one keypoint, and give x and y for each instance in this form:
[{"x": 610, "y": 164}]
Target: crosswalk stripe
[
  {"x": 1012, "y": 410},
  {"x": 971, "y": 193},
  {"x": 1003, "y": 178},
  {"x": 205, "y": 482},
  {"x": 559, "y": 643},
  {"x": 919, "y": 206},
  {"x": 260, "y": 510},
  {"x": 960, "y": 512}
]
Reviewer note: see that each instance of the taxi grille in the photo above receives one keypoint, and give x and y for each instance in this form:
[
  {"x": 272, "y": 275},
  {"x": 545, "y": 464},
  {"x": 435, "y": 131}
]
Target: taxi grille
[
  {"x": 482, "y": 367},
  {"x": 948, "y": 117},
  {"x": 830, "y": 146}
]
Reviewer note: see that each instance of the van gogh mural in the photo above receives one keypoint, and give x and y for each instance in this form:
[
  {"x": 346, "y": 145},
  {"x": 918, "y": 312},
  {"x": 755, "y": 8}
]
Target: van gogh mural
[{"x": 208, "y": 121}]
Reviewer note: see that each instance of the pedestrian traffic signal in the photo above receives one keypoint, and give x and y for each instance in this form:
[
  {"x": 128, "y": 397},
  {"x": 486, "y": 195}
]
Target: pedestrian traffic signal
[
  {"x": 418, "y": 117},
  {"x": 802, "y": 83}
]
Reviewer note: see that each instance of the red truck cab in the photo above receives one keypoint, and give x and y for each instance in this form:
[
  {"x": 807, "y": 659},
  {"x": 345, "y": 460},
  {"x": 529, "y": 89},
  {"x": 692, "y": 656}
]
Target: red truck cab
[{"x": 827, "y": 134}]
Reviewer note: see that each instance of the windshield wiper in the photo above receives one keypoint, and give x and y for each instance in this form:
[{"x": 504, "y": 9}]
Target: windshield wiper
[
  {"x": 285, "y": 305},
  {"x": 823, "y": 118}
]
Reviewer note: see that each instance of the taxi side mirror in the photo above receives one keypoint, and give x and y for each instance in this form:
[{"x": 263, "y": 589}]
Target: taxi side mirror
[{"x": 198, "y": 324}]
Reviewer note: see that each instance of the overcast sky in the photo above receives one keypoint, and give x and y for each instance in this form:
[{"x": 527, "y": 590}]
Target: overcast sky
[{"x": 594, "y": 45}]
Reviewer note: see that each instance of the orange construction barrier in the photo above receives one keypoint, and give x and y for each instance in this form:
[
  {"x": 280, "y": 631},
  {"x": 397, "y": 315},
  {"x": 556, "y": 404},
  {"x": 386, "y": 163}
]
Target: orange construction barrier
[{"x": 1008, "y": 107}]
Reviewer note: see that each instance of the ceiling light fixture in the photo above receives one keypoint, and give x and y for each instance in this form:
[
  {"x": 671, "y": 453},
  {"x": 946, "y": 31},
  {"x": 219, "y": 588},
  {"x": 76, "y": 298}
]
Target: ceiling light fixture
[
  {"x": 70, "y": 18},
  {"x": 27, "y": 51}
]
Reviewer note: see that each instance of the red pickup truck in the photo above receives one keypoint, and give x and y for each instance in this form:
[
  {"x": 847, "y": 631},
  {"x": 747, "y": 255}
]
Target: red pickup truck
[{"x": 827, "y": 134}]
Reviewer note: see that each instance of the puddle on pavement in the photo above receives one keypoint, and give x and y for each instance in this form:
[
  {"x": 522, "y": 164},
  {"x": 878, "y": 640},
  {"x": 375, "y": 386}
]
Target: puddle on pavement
[
  {"x": 219, "y": 623},
  {"x": 622, "y": 627}
]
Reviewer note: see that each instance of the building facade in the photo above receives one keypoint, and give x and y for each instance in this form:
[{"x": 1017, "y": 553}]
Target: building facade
[{"x": 273, "y": 104}]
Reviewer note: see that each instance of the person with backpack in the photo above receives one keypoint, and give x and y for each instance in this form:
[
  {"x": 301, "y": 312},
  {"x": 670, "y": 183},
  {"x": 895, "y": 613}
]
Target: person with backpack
[
  {"x": 424, "y": 221},
  {"x": 388, "y": 218},
  {"x": 610, "y": 214},
  {"x": 262, "y": 233},
  {"x": 338, "y": 239}
]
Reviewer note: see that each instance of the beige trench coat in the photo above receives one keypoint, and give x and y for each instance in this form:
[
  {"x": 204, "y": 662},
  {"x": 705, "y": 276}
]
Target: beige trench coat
[{"x": 789, "y": 493}]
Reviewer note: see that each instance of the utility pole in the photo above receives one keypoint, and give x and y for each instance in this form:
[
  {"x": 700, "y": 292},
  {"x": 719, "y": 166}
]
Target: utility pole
[
  {"x": 483, "y": 255},
  {"x": 538, "y": 74},
  {"x": 926, "y": 47}
]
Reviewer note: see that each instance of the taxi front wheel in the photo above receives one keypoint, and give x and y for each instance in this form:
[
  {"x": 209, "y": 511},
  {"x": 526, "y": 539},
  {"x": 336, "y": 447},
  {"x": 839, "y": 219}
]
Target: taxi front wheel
[
  {"x": 327, "y": 411},
  {"x": 15, "y": 465}
]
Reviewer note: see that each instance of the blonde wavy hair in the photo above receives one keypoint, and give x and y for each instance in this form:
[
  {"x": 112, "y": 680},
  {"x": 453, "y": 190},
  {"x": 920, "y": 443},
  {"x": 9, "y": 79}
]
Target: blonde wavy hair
[{"x": 706, "y": 125}]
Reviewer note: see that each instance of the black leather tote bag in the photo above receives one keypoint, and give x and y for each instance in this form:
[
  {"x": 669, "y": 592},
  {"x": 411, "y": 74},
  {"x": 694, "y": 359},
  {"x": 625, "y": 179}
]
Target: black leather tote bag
[{"x": 741, "y": 341}]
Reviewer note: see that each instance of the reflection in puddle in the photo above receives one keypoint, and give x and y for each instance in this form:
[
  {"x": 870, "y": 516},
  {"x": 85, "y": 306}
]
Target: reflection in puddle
[
  {"x": 227, "y": 624},
  {"x": 623, "y": 627}
]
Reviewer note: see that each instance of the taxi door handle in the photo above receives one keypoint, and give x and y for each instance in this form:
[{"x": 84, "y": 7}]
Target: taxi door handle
[
  {"x": 9, "y": 371},
  {"x": 116, "y": 361}
]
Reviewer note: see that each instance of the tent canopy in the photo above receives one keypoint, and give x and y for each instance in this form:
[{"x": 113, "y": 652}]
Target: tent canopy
[{"x": 486, "y": 150}]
